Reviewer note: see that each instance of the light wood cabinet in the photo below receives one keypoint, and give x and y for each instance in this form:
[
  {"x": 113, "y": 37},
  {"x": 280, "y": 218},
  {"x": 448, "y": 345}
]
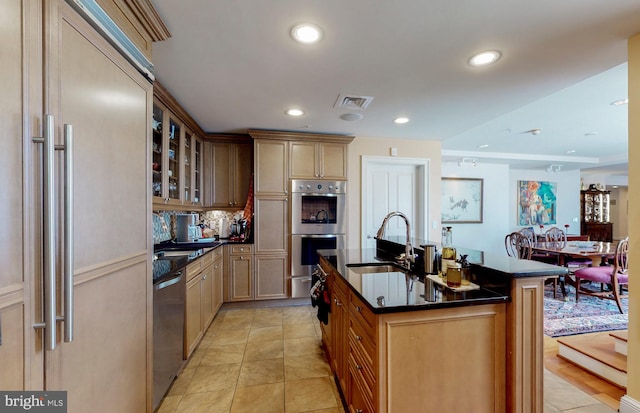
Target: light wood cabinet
[
  {"x": 54, "y": 61},
  {"x": 199, "y": 306},
  {"x": 217, "y": 295},
  {"x": 316, "y": 160},
  {"x": 240, "y": 273},
  {"x": 271, "y": 160},
  {"x": 178, "y": 155},
  {"x": 385, "y": 362},
  {"x": 230, "y": 166},
  {"x": 270, "y": 276}
]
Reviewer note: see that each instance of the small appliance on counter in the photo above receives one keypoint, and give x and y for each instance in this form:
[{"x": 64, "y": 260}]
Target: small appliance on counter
[{"x": 188, "y": 229}]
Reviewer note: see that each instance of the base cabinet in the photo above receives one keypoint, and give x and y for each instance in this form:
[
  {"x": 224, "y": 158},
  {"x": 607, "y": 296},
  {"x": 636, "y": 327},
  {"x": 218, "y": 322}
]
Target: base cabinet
[
  {"x": 240, "y": 273},
  {"x": 440, "y": 360},
  {"x": 270, "y": 276},
  {"x": 199, "y": 311}
]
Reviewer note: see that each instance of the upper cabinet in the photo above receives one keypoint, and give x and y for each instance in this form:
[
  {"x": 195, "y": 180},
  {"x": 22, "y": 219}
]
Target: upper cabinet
[
  {"x": 229, "y": 163},
  {"x": 318, "y": 160},
  {"x": 177, "y": 160}
]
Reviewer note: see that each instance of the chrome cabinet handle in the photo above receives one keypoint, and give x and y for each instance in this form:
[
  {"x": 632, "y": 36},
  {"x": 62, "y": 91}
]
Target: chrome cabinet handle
[
  {"x": 359, "y": 338},
  {"x": 68, "y": 233},
  {"x": 358, "y": 309}
]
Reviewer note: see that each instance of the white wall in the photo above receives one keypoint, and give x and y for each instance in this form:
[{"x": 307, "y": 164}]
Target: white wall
[
  {"x": 500, "y": 202},
  {"x": 489, "y": 235}
]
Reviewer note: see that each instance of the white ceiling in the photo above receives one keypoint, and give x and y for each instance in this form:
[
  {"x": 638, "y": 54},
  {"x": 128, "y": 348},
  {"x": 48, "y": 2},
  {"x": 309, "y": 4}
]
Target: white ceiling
[{"x": 233, "y": 65}]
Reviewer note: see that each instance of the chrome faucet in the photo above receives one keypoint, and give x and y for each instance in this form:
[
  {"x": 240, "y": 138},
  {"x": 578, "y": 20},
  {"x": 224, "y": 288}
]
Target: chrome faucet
[{"x": 409, "y": 255}]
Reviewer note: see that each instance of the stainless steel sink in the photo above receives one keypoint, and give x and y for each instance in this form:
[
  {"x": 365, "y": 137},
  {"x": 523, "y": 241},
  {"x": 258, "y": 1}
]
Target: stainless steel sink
[{"x": 373, "y": 269}]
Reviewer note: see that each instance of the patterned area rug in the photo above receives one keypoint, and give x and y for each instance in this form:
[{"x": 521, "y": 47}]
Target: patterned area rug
[{"x": 589, "y": 315}]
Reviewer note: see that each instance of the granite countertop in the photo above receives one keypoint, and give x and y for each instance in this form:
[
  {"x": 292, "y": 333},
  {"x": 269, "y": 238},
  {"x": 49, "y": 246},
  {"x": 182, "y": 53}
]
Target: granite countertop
[
  {"x": 165, "y": 266},
  {"x": 398, "y": 290}
]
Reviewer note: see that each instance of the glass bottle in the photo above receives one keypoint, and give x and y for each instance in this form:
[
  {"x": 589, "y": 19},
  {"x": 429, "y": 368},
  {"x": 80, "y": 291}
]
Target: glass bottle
[{"x": 448, "y": 251}]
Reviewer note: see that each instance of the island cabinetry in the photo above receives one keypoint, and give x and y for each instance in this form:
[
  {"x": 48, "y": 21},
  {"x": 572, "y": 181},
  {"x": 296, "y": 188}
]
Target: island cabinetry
[
  {"x": 229, "y": 168},
  {"x": 199, "y": 301},
  {"x": 313, "y": 160},
  {"x": 402, "y": 361},
  {"x": 239, "y": 284}
]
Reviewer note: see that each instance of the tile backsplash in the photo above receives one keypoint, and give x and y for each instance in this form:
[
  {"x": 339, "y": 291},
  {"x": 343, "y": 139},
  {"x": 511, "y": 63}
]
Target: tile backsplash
[{"x": 164, "y": 222}]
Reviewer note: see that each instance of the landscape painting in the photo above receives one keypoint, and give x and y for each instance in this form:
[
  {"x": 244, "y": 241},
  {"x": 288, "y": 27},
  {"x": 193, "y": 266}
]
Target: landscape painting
[
  {"x": 536, "y": 202},
  {"x": 461, "y": 200}
]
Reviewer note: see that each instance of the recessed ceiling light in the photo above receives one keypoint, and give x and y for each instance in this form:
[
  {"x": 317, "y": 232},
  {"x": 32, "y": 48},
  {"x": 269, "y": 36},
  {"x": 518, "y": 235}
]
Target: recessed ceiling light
[
  {"x": 592, "y": 133},
  {"x": 571, "y": 151},
  {"x": 401, "y": 120},
  {"x": 620, "y": 102},
  {"x": 306, "y": 33},
  {"x": 294, "y": 112},
  {"x": 536, "y": 131},
  {"x": 483, "y": 146},
  {"x": 485, "y": 58}
]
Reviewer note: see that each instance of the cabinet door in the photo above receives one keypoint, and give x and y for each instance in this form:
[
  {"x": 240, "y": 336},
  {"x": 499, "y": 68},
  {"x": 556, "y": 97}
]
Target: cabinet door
[
  {"x": 17, "y": 247},
  {"x": 87, "y": 84},
  {"x": 193, "y": 315},
  {"x": 242, "y": 171},
  {"x": 159, "y": 164},
  {"x": 271, "y": 276},
  {"x": 240, "y": 277},
  {"x": 222, "y": 164},
  {"x": 271, "y": 225},
  {"x": 174, "y": 151},
  {"x": 217, "y": 285},
  {"x": 271, "y": 167},
  {"x": 206, "y": 293},
  {"x": 197, "y": 171},
  {"x": 333, "y": 158},
  {"x": 304, "y": 160},
  {"x": 187, "y": 178}
]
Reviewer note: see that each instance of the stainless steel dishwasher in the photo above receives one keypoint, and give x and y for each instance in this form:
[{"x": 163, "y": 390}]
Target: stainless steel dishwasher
[{"x": 169, "y": 291}]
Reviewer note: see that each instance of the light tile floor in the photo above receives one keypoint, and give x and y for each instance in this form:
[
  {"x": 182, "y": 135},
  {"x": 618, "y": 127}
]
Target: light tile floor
[{"x": 271, "y": 360}]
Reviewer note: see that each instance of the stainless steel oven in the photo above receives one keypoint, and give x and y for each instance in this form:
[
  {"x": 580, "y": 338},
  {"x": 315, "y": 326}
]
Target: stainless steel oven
[
  {"x": 304, "y": 258},
  {"x": 318, "y": 221},
  {"x": 318, "y": 207}
]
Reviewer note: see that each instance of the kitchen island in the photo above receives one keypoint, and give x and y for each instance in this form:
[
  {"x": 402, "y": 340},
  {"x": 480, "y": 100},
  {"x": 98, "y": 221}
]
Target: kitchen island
[{"x": 397, "y": 341}]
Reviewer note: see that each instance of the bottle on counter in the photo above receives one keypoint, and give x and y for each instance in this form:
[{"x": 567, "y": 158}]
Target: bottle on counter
[
  {"x": 454, "y": 274},
  {"x": 448, "y": 251}
]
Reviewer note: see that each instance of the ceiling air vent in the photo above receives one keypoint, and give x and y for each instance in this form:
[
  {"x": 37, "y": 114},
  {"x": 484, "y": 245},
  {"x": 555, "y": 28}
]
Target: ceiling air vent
[{"x": 353, "y": 102}]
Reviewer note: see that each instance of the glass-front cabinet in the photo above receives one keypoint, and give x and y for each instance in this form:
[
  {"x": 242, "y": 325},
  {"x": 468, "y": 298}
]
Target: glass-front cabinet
[
  {"x": 595, "y": 206},
  {"x": 176, "y": 161},
  {"x": 157, "y": 166}
]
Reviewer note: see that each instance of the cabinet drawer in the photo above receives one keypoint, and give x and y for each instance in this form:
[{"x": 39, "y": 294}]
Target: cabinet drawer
[
  {"x": 241, "y": 249},
  {"x": 217, "y": 253},
  {"x": 361, "y": 399},
  {"x": 362, "y": 314},
  {"x": 362, "y": 344},
  {"x": 362, "y": 365},
  {"x": 198, "y": 265}
]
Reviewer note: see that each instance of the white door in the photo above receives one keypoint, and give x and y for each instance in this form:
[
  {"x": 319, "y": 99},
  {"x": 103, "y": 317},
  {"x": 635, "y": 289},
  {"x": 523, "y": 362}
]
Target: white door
[{"x": 393, "y": 184}]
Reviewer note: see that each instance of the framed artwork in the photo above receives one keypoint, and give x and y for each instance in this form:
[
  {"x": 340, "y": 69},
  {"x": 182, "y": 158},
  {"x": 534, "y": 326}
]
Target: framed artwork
[
  {"x": 537, "y": 202},
  {"x": 461, "y": 201}
]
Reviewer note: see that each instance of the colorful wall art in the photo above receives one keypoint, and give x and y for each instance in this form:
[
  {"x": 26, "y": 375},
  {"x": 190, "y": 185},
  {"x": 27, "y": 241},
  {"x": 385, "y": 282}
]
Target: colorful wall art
[{"x": 536, "y": 202}]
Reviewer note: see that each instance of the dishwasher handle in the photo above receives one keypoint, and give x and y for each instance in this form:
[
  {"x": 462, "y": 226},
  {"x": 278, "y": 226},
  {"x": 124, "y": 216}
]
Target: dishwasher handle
[{"x": 169, "y": 282}]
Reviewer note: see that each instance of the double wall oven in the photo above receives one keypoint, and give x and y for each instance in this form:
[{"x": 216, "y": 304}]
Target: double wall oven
[{"x": 318, "y": 221}]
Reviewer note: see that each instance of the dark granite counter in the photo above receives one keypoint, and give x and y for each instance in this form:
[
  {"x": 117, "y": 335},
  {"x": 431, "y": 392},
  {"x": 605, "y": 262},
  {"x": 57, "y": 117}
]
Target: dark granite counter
[
  {"x": 171, "y": 259},
  {"x": 398, "y": 290},
  {"x": 403, "y": 289}
]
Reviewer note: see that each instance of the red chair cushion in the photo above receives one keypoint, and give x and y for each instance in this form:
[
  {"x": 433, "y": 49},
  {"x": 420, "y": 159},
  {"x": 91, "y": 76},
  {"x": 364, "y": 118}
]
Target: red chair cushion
[{"x": 601, "y": 274}]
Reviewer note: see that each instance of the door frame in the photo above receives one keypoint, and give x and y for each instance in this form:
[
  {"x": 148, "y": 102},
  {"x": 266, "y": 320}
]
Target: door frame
[{"x": 422, "y": 167}]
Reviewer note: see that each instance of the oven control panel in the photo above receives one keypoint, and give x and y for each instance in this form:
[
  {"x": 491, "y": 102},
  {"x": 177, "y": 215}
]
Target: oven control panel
[{"x": 318, "y": 187}]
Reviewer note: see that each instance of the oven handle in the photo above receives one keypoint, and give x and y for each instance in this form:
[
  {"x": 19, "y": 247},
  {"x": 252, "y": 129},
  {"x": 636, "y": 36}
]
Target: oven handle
[
  {"x": 317, "y": 235},
  {"x": 169, "y": 282}
]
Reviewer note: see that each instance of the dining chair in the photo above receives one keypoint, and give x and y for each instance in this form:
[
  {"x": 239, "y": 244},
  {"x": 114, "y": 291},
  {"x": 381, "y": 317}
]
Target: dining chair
[
  {"x": 518, "y": 245},
  {"x": 555, "y": 235},
  {"x": 614, "y": 276}
]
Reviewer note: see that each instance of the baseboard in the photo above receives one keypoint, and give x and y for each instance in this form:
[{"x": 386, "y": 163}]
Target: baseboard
[{"x": 629, "y": 405}]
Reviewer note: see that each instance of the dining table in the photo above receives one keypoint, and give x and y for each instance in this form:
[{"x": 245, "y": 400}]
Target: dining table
[{"x": 567, "y": 252}]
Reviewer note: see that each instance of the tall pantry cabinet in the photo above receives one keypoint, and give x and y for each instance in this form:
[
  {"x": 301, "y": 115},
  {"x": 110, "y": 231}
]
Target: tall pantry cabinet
[{"x": 55, "y": 63}]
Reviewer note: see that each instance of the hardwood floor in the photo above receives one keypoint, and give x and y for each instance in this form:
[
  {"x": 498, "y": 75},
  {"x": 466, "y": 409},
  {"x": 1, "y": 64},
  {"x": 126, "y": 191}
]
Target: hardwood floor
[{"x": 594, "y": 386}]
